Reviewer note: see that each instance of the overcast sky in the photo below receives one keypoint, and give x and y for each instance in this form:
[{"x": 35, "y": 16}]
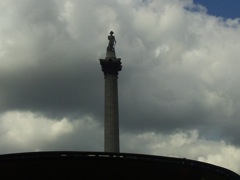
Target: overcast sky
[{"x": 178, "y": 89}]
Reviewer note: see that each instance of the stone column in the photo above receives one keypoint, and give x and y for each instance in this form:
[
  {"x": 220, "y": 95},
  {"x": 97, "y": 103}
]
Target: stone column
[
  {"x": 110, "y": 67},
  {"x": 111, "y": 139}
]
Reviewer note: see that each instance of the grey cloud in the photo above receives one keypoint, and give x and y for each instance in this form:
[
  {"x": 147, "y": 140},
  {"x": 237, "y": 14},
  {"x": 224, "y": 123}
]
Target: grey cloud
[{"x": 158, "y": 85}]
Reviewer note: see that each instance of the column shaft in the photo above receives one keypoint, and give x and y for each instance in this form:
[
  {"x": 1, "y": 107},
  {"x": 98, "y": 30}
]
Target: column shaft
[{"x": 111, "y": 134}]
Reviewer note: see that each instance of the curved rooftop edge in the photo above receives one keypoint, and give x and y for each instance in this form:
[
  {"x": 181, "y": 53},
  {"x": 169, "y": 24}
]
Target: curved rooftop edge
[{"x": 99, "y": 165}]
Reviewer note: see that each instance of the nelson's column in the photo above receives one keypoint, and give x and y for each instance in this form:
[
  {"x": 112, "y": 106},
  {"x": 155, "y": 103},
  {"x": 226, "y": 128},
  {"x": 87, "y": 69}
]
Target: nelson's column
[{"x": 111, "y": 65}]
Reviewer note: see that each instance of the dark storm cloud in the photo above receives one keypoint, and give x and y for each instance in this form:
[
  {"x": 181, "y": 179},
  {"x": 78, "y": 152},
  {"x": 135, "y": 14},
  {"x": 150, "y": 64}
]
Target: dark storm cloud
[
  {"x": 58, "y": 87},
  {"x": 53, "y": 65},
  {"x": 46, "y": 69}
]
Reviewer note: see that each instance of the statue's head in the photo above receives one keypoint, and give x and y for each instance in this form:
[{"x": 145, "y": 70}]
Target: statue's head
[{"x": 111, "y": 33}]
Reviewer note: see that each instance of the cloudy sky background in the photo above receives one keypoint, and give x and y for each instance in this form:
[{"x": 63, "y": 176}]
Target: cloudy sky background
[{"x": 178, "y": 89}]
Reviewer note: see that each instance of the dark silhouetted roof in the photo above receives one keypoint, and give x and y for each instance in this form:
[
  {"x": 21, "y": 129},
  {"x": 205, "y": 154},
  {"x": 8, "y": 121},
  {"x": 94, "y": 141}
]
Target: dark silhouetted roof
[{"x": 100, "y": 165}]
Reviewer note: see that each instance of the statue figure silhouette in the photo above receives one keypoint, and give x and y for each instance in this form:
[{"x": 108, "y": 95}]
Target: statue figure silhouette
[{"x": 112, "y": 42}]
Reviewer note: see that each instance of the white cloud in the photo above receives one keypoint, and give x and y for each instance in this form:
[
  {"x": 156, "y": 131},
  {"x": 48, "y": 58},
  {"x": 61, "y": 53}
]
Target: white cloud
[
  {"x": 26, "y": 131},
  {"x": 225, "y": 156},
  {"x": 186, "y": 144}
]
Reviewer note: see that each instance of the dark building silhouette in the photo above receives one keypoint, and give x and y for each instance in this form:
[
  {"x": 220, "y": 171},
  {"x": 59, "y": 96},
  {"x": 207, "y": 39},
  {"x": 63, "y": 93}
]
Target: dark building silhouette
[{"x": 102, "y": 165}]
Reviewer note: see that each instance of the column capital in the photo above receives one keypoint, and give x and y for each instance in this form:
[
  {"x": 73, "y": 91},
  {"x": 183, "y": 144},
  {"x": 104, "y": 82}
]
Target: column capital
[{"x": 111, "y": 66}]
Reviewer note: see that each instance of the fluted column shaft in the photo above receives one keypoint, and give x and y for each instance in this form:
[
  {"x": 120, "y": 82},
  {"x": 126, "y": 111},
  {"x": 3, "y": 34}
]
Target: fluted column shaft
[
  {"x": 110, "y": 68},
  {"x": 111, "y": 134}
]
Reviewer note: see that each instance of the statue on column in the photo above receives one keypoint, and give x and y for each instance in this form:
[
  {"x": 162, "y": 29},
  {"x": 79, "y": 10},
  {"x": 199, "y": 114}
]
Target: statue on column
[{"x": 112, "y": 42}]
